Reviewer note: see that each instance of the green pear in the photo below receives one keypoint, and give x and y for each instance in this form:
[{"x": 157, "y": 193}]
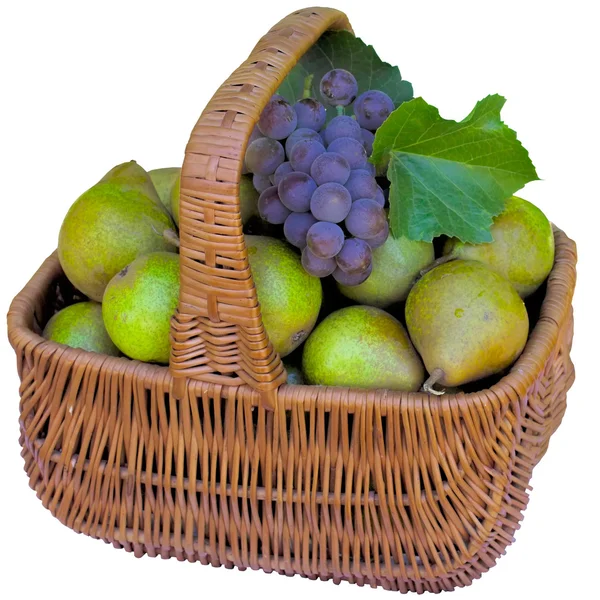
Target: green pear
[
  {"x": 164, "y": 180},
  {"x": 290, "y": 298},
  {"x": 131, "y": 176},
  {"x": 362, "y": 346},
  {"x": 81, "y": 326},
  {"x": 466, "y": 321},
  {"x": 396, "y": 265},
  {"x": 248, "y": 199},
  {"x": 138, "y": 305},
  {"x": 111, "y": 224},
  {"x": 522, "y": 250}
]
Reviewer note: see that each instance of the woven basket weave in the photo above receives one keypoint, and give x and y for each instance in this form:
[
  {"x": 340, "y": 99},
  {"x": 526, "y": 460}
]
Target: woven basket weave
[{"x": 214, "y": 459}]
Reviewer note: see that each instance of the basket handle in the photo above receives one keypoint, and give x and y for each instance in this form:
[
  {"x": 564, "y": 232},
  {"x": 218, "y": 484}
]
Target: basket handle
[{"x": 217, "y": 334}]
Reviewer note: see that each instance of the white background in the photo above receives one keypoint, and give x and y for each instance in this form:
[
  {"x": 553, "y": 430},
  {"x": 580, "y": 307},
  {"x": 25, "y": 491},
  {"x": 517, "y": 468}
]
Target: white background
[{"x": 87, "y": 85}]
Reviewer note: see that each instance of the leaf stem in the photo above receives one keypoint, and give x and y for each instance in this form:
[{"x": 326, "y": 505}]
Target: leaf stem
[
  {"x": 307, "y": 92},
  {"x": 436, "y": 263}
]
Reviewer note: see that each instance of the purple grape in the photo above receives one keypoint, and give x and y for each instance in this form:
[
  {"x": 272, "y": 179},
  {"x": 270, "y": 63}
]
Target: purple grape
[
  {"x": 372, "y": 108},
  {"x": 261, "y": 182},
  {"x": 264, "y": 155},
  {"x": 296, "y": 227},
  {"x": 304, "y": 153},
  {"x": 270, "y": 207},
  {"x": 319, "y": 267},
  {"x": 331, "y": 202},
  {"x": 301, "y": 134},
  {"x": 330, "y": 167},
  {"x": 253, "y": 136},
  {"x": 367, "y": 139},
  {"x": 340, "y": 127},
  {"x": 256, "y": 133},
  {"x": 350, "y": 280},
  {"x": 311, "y": 114},
  {"x": 366, "y": 219},
  {"x": 283, "y": 169},
  {"x": 295, "y": 191},
  {"x": 325, "y": 239},
  {"x": 355, "y": 256},
  {"x": 352, "y": 150},
  {"x": 379, "y": 196},
  {"x": 360, "y": 184},
  {"x": 278, "y": 119},
  {"x": 370, "y": 168},
  {"x": 338, "y": 87},
  {"x": 380, "y": 238}
]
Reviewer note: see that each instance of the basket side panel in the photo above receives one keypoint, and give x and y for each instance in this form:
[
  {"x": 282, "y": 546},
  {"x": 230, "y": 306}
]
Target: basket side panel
[{"x": 404, "y": 495}]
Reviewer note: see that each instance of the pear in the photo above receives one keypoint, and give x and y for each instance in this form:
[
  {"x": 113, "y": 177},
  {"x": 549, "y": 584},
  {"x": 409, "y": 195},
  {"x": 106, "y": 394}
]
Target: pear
[
  {"x": 396, "y": 265},
  {"x": 116, "y": 220},
  {"x": 248, "y": 199},
  {"x": 362, "y": 346},
  {"x": 81, "y": 326},
  {"x": 466, "y": 321},
  {"x": 290, "y": 298},
  {"x": 522, "y": 250},
  {"x": 131, "y": 176},
  {"x": 164, "y": 180},
  {"x": 138, "y": 305}
]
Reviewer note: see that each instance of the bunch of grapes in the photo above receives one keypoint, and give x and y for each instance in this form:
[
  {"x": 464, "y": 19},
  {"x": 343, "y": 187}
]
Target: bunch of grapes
[{"x": 317, "y": 181}]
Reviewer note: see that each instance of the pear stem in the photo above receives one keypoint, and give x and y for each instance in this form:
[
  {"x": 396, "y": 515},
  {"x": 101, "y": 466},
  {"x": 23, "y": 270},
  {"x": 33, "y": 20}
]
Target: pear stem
[
  {"x": 171, "y": 237},
  {"x": 435, "y": 376},
  {"x": 436, "y": 263}
]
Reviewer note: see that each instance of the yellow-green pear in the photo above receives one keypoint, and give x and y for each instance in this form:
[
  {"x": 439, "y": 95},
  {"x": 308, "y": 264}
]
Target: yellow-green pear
[
  {"x": 290, "y": 298},
  {"x": 164, "y": 181},
  {"x": 131, "y": 176},
  {"x": 522, "y": 250},
  {"x": 365, "y": 347},
  {"x": 139, "y": 303},
  {"x": 466, "y": 321},
  {"x": 81, "y": 326},
  {"x": 116, "y": 220},
  {"x": 396, "y": 265}
]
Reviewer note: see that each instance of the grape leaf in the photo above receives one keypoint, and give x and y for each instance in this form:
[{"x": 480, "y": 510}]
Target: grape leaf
[
  {"x": 449, "y": 177},
  {"x": 341, "y": 50}
]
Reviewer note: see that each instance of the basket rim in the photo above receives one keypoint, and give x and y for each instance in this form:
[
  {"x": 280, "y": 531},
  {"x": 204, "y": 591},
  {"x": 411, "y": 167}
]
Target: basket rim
[{"x": 554, "y": 312}]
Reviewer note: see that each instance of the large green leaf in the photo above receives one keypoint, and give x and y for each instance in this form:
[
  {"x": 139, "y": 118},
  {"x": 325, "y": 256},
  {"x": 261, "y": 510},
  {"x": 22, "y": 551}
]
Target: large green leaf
[
  {"x": 449, "y": 177},
  {"x": 341, "y": 50}
]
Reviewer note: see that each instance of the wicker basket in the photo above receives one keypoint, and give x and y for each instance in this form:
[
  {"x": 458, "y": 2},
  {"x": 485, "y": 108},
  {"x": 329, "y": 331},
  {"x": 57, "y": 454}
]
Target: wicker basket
[{"x": 214, "y": 459}]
